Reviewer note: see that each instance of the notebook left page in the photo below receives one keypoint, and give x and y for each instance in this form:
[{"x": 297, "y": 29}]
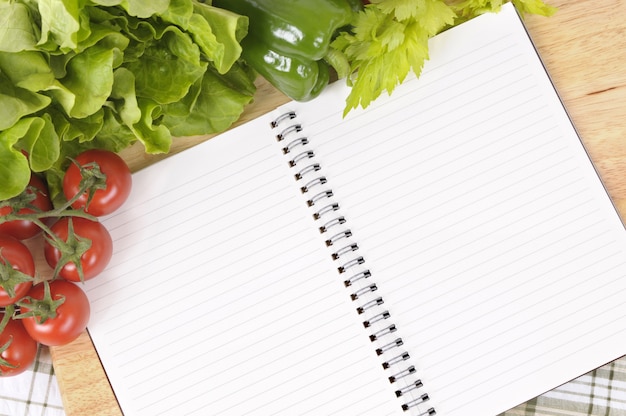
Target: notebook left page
[{"x": 219, "y": 299}]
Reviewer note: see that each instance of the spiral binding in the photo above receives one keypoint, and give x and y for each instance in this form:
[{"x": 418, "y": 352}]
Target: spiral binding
[{"x": 344, "y": 251}]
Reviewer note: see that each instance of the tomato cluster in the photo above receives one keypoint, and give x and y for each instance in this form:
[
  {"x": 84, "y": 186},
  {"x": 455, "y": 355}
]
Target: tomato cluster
[{"x": 54, "y": 310}]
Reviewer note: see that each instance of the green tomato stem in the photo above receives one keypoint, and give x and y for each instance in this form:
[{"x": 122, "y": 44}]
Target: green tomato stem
[
  {"x": 42, "y": 309},
  {"x": 8, "y": 315},
  {"x": 70, "y": 252}
]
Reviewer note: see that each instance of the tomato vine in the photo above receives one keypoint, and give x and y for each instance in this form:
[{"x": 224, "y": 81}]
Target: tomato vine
[{"x": 54, "y": 310}]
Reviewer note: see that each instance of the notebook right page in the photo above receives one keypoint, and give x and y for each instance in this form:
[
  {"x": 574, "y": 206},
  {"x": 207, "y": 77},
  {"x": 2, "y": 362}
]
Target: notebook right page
[{"x": 498, "y": 252}]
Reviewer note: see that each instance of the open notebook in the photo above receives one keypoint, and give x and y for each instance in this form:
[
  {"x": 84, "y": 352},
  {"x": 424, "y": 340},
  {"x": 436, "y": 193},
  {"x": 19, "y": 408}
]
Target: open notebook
[{"x": 448, "y": 251}]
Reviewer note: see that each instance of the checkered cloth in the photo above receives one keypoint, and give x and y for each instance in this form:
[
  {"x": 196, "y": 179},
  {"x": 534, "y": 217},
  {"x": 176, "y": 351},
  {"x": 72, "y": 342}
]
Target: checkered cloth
[
  {"x": 601, "y": 392},
  {"x": 35, "y": 392}
]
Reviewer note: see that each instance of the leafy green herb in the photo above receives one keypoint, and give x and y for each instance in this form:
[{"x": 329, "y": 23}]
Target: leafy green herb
[
  {"x": 389, "y": 39},
  {"x": 107, "y": 73}
]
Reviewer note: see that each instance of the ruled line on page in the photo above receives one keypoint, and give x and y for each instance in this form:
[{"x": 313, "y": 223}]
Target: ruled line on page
[
  {"x": 356, "y": 384},
  {"x": 208, "y": 177},
  {"x": 453, "y": 163},
  {"x": 564, "y": 354},
  {"x": 253, "y": 367},
  {"x": 121, "y": 231},
  {"x": 424, "y": 246},
  {"x": 554, "y": 321},
  {"x": 586, "y": 232},
  {"x": 177, "y": 217},
  {"x": 584, "y": 334},
  {"x": 386, "y": 143},
  {"x": 429, "y": 289},
  {"x": 514, "y": 290},
  {"x": 501, "y": 316},
  {"x": 322, "y": 395},
  {"x": 446, "y": 82},
  {"x": 359, "y": 129},
  {"x": 263, "y": 193},
  {"x": 375, "y": 177},
  {"x": 446, "y": 190},
  {"x": 199, "y": 310},
  {"x": 174, "y": 266},
  {"x": 345, "y": 361},
  {"x": 204, "y": 311},
  {"x": 183, "y": 248},
  {"x": 272, "y": 260}
]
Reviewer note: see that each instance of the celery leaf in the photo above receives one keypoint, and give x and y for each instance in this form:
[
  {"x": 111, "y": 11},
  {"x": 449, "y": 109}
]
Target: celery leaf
[{"x": 389, "y": 38}]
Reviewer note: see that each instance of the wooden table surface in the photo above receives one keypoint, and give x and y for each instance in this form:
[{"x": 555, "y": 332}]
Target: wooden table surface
[{"x": 583, "y": 47}]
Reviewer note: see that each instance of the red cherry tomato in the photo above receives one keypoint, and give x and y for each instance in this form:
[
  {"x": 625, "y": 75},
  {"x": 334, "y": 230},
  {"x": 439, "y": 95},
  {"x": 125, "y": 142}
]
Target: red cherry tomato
[
  {"x": 23, "y": 229},
  {"x": 71, "y": 317},
  {"x": 118, "y": 182},
  {"x": 94, "y": 260},
  {"x": 22, "y": 350},
  {"x": 20, "y": 258}
]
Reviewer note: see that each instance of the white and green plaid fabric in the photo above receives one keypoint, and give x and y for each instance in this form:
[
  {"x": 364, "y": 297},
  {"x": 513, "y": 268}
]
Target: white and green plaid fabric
[
  {"x": 35, "y": 392},
  {"x": 599, "y": 393}
]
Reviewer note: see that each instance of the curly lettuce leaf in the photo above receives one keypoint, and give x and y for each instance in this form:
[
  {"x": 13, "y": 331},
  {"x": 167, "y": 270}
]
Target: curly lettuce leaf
[
  {"x": 214, "y": 95},
  {"x": 217, "y": 32},
  {"x": 17, "y": 102},
  {"x": 137, "y": 116},
  {"x": 27, "y": 69},
  {"x": 169, "y": 66},
  {"x": 155, "y": 137},
  {"x": 137, "y": 8},
  {"x": 104, "y": 74},
  {"x": 124, "y": 97},
  {"x": 17, "y": 30},
  {"x": 80, "y": 130},
  {"x": 178, "y": 12},
  {"x": 43, "y": 146},
  {"x": 15, "y": 169},
  {"x": 228, "y": 29},
  {"x": 59, "y": 24},
  {"x": 87, "y": 83}
]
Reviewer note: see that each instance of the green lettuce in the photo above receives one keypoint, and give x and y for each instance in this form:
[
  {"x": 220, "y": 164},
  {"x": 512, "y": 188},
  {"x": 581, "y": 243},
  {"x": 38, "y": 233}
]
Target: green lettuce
[{"x": 87, "y": 74}]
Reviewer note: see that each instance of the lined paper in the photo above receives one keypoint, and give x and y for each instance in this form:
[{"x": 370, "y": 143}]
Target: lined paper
[
  {"x": 496, "y": 248},
  {"x": 220, "y": 299},
  {"x": 487, "y": 232}
]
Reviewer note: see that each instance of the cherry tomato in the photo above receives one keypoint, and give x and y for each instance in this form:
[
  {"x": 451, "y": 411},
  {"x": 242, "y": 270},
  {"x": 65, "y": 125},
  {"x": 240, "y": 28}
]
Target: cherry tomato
[
  {"x": 20, "y": 258},
  {"x": 93, "y": 260},
  {"x": 71, "y": 317},
  {"x": 21, "y": 352},
  {"x": 118, "y": 182},
  {"x": 23, "y": 229}
]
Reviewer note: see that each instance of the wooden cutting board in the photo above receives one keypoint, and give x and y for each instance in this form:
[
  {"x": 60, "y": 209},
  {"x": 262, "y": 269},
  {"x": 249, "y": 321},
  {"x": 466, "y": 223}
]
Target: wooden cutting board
[{"x": 583, "y": 47}]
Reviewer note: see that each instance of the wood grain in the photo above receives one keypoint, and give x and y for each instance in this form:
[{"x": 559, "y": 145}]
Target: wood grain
[{"x": 583, "y": 48}]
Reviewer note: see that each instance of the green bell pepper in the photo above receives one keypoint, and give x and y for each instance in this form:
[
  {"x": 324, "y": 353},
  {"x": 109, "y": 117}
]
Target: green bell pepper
[
  {"x": 287, "y": 40},
  {"x": 299, "y": 78}
]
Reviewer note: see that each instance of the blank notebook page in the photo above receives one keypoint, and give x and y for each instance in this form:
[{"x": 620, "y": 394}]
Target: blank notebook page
[
  {"x": 498, "y": 252},
  {"x": 219, "y": 299},
  {"x": 474, "y": 205}
]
